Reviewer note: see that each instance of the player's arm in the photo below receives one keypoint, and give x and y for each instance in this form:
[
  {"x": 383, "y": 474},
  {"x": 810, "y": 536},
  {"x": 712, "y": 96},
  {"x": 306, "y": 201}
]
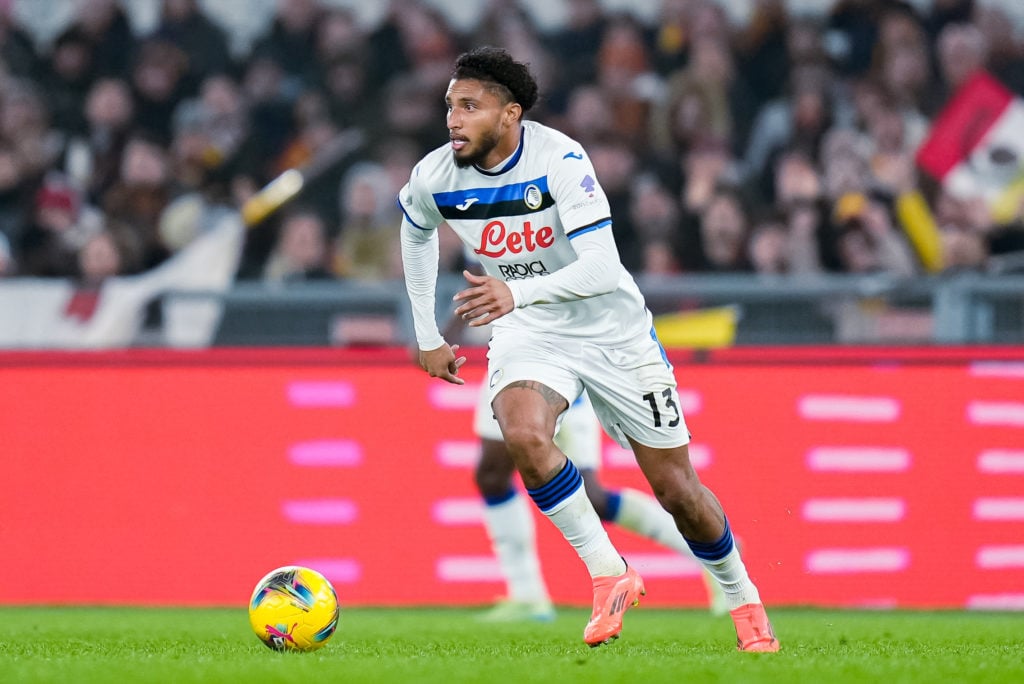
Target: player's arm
[
  {"x": 584, "y": 212},
  {"x": 595, "y": 271},
  {"x": 420, "y": 253}
]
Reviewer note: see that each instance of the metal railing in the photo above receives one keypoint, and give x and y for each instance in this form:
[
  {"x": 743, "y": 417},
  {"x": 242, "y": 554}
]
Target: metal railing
[{"x": 964, "y": 308}]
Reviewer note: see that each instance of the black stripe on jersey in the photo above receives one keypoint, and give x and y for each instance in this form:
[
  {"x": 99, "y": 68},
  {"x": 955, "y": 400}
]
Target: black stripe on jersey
[
  {"x": 481, "y": 211},
  {"x": 588, "y": 227}
]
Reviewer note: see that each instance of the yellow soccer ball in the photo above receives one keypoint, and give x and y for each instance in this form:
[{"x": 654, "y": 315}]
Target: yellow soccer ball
[{"x": 294, "y": 609}]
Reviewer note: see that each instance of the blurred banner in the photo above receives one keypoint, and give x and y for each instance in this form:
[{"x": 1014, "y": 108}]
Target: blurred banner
[
  {"x": 56, "y": 313},
  {"x": 976, "y": 144},
  {"x": 853, "y": 477}
]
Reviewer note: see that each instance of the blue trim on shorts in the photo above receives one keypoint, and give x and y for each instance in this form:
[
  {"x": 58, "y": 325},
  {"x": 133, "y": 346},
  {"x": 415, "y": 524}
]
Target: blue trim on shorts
[{"x": 664, "y": 355}]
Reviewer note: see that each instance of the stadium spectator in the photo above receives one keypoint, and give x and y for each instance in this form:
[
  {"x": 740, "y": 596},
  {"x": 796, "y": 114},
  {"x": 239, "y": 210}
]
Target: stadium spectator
[
  {"x": 706, "y": 103},
  {"x": 25, "y": 125},
  {"x": 301, "y": 251},
  {"x": 15, "y": 200},
  {"x": 291, "y": 40},
  {"x": 210, "y": 131},
  {"x": 961, "y": 51},
  {"x": 67, "y": 78},
  {"x": 343, "y": 67},
  {"x": 719, "y": 243},
  {"x": 367, "y": 247},
  {"x": 62, "y": 225},
  {"x": 158, "y": 85},
  {"x": 617, "y": 163},
  {"x": 143, "y": 189},
  {"x": 797, "y": 121},
  {"x": 92, "y": 158},
  {"x": 17, "y": 48},
  {"x": 204, "y": 43},
  {"x": 105, "y": 24},
  {"x": 572, "y": 47},
  {"x": 1005, "y": 47},
  {"x": 624, "y": 75},
  {"x": 655, "y": 213}
]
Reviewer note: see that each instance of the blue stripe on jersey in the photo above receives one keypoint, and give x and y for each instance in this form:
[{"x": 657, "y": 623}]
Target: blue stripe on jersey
[
  {"x": 664, "y": 356},
  {"x": 488, "y": 196},
  {"x": 407, "y": 217},
  {"x": 603, "y": 223},
  {"x": 561, "y": 487}
]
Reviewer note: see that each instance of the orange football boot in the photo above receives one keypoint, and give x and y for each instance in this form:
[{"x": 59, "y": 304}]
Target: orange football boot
[
  {"x": 754, "y": 633},
  {"x": 612, "y": 596}
]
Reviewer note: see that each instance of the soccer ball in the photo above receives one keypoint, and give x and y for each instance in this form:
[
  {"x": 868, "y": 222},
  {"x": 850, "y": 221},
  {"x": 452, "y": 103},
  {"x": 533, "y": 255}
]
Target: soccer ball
[{"x": 294, "y": 609}]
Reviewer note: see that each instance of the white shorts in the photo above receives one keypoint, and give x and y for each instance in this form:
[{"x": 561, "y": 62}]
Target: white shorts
[
  {"x": 631, "y": 386},
  {"x": 578, "y": 434}
]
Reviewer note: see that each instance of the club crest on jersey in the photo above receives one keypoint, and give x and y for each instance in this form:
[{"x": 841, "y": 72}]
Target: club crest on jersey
[{"x": 533, "y": 197}]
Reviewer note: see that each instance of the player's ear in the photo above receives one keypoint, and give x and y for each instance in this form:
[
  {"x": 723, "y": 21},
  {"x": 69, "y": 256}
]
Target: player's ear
[{"x": 513, "y": 112}]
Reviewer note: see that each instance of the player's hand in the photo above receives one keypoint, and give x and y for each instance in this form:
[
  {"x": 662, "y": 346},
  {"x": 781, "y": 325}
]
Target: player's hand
[
  {"x": 443, "y": 363},
  {"x": 486, "y": 300}
]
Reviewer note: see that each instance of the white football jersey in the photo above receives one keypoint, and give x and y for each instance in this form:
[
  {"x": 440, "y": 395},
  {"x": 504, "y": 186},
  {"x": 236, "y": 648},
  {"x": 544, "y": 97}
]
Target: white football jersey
[{"x": 526, "y": 222}]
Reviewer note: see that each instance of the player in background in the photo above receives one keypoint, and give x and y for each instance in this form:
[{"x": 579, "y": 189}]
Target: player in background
[
  {"x": 508, "y": 518},
  {"x": 567, "y": 317}
]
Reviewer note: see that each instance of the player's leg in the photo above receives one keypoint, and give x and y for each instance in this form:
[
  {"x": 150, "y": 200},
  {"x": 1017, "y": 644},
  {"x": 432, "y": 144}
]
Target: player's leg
[
  {"x": 579, "y": 436},
  {"x": 527, "y": 411},
  {"x": 633, "y": 389},
  {"x": 703, "y": 523},
  {"x": 642, "y": 515},
  {"x": 508, "y": 520}
]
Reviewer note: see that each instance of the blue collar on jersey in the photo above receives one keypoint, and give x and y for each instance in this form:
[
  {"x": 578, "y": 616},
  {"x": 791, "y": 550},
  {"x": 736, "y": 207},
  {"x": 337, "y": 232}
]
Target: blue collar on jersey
[{"x": 511, "y": 162}]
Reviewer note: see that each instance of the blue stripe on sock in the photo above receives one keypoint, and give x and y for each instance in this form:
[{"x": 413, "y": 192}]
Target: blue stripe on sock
[
  {"x": 501, "y": 498},
  {"x": 611, "y": 510},
  {"x": 561, "y": 487},
  {"x": 714, "y": 550}
]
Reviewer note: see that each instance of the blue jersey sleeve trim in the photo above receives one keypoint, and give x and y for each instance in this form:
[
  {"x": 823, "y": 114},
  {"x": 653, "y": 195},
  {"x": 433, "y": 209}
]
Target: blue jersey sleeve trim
[
  {"x": 407, "y": 217},
  {"x": 603, "y": 223}
]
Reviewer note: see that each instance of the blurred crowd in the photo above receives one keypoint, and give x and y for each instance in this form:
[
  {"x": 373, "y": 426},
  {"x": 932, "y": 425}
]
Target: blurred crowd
[{"x": 785, "y": 144}]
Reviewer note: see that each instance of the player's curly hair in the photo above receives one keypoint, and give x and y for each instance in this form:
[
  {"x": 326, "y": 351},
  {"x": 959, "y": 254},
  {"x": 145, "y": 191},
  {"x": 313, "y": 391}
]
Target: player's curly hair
[{"x": 493, "y": 65}]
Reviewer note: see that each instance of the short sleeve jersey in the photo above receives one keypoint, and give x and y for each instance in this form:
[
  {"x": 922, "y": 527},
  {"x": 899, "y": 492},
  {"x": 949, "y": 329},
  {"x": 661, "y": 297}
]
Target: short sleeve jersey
[{"x": 520, "y": 222}]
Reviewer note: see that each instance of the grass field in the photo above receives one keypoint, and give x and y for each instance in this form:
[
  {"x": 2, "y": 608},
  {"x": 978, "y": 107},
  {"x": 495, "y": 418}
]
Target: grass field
[{"x": 87, "y": 645}]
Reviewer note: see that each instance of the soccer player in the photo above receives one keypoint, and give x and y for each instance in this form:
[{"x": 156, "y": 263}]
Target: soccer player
[
  {"x": 567, "y": 317},
  {"x": 509, "y": 522}
]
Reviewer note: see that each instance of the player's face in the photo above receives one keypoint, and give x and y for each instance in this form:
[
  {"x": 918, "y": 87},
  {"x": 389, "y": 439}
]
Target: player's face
[{"x": 480, "y": 124}]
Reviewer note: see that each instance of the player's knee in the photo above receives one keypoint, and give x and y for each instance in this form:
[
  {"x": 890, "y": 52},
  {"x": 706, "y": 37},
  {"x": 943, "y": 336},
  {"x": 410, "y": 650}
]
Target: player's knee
[
  {"x": 682, "y": 499},
  {"x": 525, "y": 441}
]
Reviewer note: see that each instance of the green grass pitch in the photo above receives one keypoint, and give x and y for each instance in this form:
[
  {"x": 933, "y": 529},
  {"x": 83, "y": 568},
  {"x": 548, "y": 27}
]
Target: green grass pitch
[{"x": 86, "y": 645}]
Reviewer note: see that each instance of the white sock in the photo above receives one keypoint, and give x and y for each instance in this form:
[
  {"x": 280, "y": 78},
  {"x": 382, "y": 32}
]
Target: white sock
[
  {"x": 643, "y": 515},
  {"x": 510, "y": 527},
  {"x": 576, "y": 518},
  {"x": 733, "y": 578}
]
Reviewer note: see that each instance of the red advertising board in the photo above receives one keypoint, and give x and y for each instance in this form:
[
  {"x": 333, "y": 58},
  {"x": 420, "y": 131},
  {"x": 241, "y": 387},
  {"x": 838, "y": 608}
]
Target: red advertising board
[{"x": 853, "y": 478}]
